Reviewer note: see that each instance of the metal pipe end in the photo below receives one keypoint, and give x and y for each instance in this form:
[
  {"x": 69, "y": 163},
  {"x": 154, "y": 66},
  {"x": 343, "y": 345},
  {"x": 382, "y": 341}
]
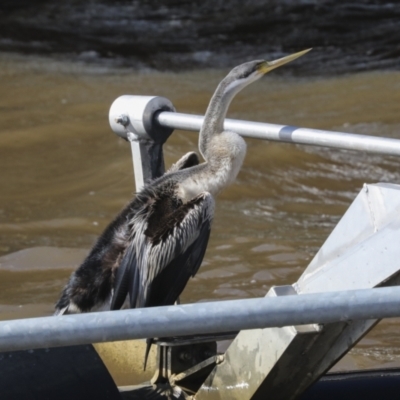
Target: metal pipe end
[{"x": 137, "y": 114}]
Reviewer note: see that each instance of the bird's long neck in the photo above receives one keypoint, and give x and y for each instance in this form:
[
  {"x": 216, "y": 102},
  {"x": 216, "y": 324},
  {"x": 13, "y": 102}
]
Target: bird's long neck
[
  {"x": 223, "y": 151},
  {"x": 213, "y": 123}
]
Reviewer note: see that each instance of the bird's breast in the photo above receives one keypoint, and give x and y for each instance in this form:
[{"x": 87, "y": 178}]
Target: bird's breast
[
  {"x": 225, "y": 155},
  {"x": 192, "y": 187}
]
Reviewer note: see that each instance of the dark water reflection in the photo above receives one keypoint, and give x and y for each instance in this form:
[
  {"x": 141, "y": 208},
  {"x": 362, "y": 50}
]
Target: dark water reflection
[{"x": 65, "y": 175}]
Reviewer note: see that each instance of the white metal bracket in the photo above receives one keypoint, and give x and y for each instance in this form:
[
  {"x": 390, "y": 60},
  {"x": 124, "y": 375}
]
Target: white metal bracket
[
  {"x": 134, "y": 119},
  {"x": 362, "y": 252}
]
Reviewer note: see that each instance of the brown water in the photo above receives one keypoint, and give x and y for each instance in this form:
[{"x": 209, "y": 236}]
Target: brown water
[{"x": 64, "y": 175}]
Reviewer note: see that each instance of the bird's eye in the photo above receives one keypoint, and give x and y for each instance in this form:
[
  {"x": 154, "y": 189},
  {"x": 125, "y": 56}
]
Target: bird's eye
[
  {"x": 245, "y": 74},
  {"x": 242, "y": 76},
  {"x": 249, "y": 70}
]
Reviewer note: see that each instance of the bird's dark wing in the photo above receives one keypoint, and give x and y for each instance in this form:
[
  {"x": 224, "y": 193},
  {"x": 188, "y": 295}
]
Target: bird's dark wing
[
  {"x": 127, "y": 277},
  {"x": 168, "y": 285},
  {"x": 174, "y": 252},
  {"x": 161, "y": 258}
]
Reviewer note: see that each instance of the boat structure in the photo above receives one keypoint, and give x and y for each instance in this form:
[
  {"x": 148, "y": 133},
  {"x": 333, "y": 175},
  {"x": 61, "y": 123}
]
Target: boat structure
[{"x": 281, "y": 346}]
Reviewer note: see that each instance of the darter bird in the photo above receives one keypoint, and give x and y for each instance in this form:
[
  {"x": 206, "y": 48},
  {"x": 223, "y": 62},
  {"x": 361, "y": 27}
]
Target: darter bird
[{"x": 146, "y": 256}]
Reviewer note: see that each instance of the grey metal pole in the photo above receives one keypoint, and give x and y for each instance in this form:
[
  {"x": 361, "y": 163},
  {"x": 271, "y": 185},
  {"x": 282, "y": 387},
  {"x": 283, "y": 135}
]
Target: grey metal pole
[
  {"x": 289, "y": 134},
  {"x": 212, "y": 317}
]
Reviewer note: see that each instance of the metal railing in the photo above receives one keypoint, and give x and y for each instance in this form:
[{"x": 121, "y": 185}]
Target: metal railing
[
  {"x": 287, "y": 133},
  {"x": 199, "y": 318},
  {"x": 147, "y": 121}
]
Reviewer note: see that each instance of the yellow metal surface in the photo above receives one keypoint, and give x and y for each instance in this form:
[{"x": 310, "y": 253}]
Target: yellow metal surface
[{"x": 124, "y": 360}]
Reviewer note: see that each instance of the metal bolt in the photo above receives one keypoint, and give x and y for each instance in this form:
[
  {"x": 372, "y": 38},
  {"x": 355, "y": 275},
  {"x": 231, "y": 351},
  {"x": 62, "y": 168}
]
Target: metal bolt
[
  {"x": 219, "y": 359},
  {"x": 123, "y": 120},
  {"x": 185, "y": 356}
]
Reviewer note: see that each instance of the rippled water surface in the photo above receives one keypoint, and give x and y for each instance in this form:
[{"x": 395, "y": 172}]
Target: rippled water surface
[{"x": 64, "y": 175}]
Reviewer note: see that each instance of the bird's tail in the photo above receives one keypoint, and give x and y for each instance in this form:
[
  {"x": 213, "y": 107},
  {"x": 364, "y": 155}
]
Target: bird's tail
[{"x": 149, "y": 342}]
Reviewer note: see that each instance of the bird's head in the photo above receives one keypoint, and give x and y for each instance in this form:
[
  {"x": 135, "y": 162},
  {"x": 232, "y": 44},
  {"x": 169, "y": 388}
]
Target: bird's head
[{"x": 246, "y": 73}]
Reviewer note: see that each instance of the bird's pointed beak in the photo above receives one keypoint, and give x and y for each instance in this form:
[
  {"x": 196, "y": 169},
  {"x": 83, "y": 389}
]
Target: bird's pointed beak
[{"x": 267, "y": 66}]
